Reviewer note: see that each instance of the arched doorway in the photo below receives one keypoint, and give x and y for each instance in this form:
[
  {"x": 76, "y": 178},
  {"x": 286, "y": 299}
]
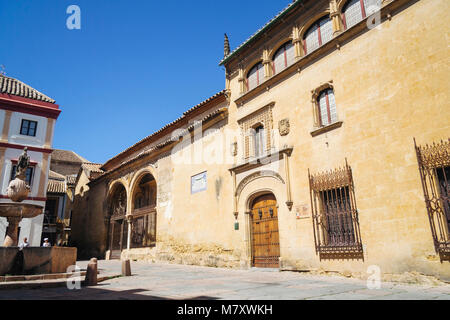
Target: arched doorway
[
  {"x": 118, "y": 226},
  {"x": 265, "y": 233},
  {"x": 143, "y": 214}
]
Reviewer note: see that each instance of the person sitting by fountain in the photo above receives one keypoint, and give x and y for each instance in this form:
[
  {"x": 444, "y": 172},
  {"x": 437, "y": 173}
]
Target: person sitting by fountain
[
  {"x": 24, "y": 244},
  {"x": 46, "y": 243}
]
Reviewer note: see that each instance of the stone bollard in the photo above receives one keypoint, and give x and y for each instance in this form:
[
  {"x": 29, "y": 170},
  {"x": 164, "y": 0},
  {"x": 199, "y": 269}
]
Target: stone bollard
[
  {"x": 91, "y": 273},
  {"x": 126, "y": 268}
]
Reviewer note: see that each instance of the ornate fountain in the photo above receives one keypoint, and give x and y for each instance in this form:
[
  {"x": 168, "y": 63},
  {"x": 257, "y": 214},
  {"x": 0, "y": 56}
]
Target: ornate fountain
[{"x": 18, "y": 191}]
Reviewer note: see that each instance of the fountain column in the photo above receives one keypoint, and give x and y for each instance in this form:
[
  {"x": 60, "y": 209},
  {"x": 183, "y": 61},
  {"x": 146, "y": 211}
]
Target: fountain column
[
  {"x": 11, "y": 233},
  {"x": 18, "y": 191}
]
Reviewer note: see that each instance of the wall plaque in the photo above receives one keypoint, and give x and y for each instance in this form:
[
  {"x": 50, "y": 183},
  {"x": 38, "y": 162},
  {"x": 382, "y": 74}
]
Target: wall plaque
[
  {"x": 199, "y": 183},
  {"x": 302, "y": 211}
]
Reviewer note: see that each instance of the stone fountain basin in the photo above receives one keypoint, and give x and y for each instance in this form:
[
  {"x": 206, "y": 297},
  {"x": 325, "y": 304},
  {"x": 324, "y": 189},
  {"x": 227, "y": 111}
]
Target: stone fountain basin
[{"x": 20, "y": 210}]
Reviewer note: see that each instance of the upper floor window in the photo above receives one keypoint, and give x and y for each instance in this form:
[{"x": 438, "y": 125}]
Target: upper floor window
[
  {"x": 28, "y": 174},
  {"x": 357, "y": 10},
  {"x": 256, "y": 129},
  {"x": 318, "y": 34},
  {"x": 327, "y": 107},
  {"x": 283, "y": 58},
  {"x": 255, "y": 76},
  {"x": 28, "y": 128},
  {"x": 259, "y": 141}
]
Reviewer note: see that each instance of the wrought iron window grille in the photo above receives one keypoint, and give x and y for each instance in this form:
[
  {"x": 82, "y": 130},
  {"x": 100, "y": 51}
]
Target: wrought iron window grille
[
  {"x": 335, "y": 216},
  {"x": 434, "y": 167}
]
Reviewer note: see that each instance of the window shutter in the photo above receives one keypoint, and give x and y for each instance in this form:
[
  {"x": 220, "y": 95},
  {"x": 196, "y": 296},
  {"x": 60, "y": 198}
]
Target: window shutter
[
  {"x": 260, "y": 78},
  {"x": 312, "y": 39},
  {"x": 326, "y": 30},
  {"x": 332, "y": 103},
  {"x": 256, "y": 142},
  {"x": 260, "y": 142},
  {"x": 252, "y": 78},
  {"x": 263, "y": 140},
  {"x": 323, "y": 109},
  {"x": 290, "y": 54},
  {"x": 353, "y": 13},
  {"x": 279, "y": 63}
]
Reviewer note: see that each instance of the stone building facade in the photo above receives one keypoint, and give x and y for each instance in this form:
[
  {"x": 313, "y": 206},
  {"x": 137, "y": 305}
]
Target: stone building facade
[{"x": 328, "y": 149}]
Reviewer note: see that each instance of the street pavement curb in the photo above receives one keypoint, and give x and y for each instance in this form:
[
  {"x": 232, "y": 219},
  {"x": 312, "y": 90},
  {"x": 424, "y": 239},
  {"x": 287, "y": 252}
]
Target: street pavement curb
[{"x": 40, "y": 284}]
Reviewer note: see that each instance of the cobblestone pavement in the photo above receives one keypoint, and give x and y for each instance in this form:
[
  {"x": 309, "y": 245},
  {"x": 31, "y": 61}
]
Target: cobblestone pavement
[{"x": 167, "y": 281}]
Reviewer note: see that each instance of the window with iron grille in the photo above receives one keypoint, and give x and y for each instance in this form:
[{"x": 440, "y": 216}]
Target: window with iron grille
[
  {"x": 335, "y": 217},
  {"x": 143, "y": 231},
  {"x": 28, "y": 128},
  {"x": 434, "y": 166}
]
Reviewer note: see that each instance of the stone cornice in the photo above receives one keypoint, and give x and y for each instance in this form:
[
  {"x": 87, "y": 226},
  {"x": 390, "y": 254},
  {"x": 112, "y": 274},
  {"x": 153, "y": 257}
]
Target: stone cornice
[{"x": 262, "y": 161}]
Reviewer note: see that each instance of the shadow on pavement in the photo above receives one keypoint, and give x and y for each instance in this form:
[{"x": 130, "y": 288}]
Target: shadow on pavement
[{"x": 89, "y": 293}]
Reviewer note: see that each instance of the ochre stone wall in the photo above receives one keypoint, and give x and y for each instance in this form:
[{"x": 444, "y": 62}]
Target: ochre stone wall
[
  {"x": 88, "y": 226},
  {"x": 390, "y": 85}
]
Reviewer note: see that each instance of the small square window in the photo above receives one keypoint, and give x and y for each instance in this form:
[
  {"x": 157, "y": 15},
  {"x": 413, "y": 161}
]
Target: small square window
[{"x": 28, "y": 128}]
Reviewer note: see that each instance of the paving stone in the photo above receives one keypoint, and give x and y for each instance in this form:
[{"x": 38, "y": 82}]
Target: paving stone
[{"x": 179, "y": 282}]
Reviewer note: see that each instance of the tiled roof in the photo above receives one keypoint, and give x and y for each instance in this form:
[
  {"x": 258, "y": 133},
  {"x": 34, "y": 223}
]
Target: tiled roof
[
  {"x": 204, "y": 102},
  {"x": 68, "y": 156},
  {"x": 185, "y": 114},
  {"x": 71, "y": 179},
  {"x": 56, "y": 176},
  {"x": 18, "y": 88},
  {"x": 168, "y": 141},
  {"x": 92, "y": 170},
  {"x": 264, "y": 28},
  {"x": 56, "y": 186},
  {"x": 92, "y": 167}
]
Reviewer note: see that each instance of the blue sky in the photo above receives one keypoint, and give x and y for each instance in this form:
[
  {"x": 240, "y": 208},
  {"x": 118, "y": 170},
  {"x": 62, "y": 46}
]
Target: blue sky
[{"x": 134, "y": 66}]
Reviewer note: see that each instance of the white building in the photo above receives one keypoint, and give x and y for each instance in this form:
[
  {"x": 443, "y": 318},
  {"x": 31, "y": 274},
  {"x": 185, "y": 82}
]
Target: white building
[{"x": 27, "y": 119}]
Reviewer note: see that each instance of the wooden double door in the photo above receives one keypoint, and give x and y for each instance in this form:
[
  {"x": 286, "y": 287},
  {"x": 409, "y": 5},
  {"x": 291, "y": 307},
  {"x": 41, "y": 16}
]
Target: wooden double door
[
  {"x": 118, "y": 236},
  {"x": 265, "y": 233}
]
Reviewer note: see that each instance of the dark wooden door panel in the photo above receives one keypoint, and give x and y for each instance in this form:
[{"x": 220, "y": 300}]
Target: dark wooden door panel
[
  {"x": 265, "y": 235},
  {"x": 118, "y": 237}
]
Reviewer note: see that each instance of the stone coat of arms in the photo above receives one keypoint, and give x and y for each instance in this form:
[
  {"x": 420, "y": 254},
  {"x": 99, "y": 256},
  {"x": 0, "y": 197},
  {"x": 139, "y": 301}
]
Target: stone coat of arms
[{"x": 284, "y": 127}]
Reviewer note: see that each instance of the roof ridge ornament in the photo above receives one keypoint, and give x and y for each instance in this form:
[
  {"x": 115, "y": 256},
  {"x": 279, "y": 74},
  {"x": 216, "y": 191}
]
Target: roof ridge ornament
[{"x": 226, "y": 50}]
